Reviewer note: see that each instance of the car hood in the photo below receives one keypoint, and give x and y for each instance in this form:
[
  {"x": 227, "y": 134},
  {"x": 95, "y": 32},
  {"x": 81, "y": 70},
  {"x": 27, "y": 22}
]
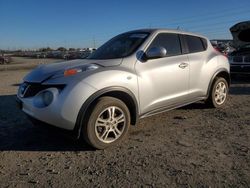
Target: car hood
[
  {"x": 241, "y": 34},
  {"x": 44, "y": 72}
]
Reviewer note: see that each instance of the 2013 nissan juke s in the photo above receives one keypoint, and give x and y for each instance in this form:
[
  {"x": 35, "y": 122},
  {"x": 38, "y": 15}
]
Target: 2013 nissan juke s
[{"x": 134, "y": 75}]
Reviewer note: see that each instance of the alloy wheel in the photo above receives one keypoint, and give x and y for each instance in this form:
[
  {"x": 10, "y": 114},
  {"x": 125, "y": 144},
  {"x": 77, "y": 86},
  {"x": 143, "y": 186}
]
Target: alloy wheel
[
  {"x": 110, "y": 124},
  {"x": 220, "y": 93}
]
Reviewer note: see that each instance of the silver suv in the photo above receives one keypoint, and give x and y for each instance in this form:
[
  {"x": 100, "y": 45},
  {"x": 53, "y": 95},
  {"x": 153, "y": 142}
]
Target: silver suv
[{"x": 134, "y": 75}]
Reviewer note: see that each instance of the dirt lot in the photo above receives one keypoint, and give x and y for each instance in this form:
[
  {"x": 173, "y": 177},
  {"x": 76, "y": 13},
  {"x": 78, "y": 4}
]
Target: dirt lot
[
  {"x": 188, "y": 147},
  {"x": 22, "y": 63}
]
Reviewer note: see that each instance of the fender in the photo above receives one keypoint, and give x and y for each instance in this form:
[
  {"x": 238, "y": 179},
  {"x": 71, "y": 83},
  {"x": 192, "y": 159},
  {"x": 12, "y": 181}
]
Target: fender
[
  {"x": 98, "y": 94},
  {"x": 221, "y": 70}
]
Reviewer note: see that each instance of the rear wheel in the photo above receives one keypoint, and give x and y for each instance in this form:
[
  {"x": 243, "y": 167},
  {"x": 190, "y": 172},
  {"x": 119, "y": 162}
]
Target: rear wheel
[
  {"x": 108, "y": 123},
  {"x": 219, "y": 93}
]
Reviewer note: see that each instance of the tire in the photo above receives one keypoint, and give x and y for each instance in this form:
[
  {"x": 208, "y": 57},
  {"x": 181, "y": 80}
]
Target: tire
[
  {"x": 218, "y": 94},
  {"x": 107, "y": 123}
]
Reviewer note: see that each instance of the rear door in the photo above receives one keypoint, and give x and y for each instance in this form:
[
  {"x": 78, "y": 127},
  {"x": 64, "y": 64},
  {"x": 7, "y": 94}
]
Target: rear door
[{"x": 197, "y": 55}]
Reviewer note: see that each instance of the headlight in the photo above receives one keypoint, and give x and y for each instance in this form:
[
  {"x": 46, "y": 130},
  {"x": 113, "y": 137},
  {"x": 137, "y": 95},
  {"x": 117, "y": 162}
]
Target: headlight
[
  {"x": 91, "y": 67},
  {"x": 70, "y": 72},
  {"x": 45, "y": 97},
  {"x": 75, "y": 70}
]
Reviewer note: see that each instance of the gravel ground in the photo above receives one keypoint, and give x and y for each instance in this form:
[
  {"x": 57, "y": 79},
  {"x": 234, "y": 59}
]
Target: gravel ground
[{"x": 188, "y": 147}]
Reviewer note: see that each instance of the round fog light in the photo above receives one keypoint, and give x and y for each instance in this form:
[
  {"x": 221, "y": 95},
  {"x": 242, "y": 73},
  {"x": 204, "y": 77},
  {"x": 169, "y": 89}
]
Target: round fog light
[{"x": 47, "y": 97}]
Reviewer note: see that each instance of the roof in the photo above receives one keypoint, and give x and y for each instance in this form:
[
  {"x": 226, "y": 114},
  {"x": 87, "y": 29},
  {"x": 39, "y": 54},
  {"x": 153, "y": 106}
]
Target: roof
[{"x": 151, "y": 30}]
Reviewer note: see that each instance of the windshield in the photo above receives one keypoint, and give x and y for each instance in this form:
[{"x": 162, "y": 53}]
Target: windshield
[{"x": 120, "y": 46}]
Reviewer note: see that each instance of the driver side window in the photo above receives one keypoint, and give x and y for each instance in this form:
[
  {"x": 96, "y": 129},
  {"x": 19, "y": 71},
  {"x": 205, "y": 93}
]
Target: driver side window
[{"x": 169, "y": 41}]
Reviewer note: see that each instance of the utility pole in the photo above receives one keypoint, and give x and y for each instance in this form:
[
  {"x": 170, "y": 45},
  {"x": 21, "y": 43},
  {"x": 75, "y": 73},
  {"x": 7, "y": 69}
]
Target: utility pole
[{"x": 94, "y": 42}]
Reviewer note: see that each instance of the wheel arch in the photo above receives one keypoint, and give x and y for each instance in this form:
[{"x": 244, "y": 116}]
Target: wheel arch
[
  {"x": 219, "y": 73},
  {"x": 121, "y": 93}
]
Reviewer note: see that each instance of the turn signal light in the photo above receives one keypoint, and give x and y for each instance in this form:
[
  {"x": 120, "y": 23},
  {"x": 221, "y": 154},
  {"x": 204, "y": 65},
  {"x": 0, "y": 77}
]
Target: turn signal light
[{"x": 71, "y": 72}]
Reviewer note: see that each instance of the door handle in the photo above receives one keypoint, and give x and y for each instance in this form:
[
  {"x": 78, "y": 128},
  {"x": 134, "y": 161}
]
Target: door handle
[{"x": 183, "y": 65}]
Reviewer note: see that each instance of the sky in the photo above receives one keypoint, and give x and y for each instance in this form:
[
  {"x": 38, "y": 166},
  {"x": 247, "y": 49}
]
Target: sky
[{"x": 32, "y": 24}]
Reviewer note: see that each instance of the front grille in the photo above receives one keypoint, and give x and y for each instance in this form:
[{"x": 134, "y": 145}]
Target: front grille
[
  {"x": 238, "y": 59},
  {"x": 31, "y": 89},
  {"x": 247, "y": 59}
]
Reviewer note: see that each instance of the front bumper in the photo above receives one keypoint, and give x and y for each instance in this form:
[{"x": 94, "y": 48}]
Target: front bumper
[
  {"x": 63, "y": 110},
  {"x": 19, "y": 103}
]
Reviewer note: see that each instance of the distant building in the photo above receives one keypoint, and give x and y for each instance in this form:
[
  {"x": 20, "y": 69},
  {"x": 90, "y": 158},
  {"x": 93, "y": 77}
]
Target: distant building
[{"x": 87, "y": 49}]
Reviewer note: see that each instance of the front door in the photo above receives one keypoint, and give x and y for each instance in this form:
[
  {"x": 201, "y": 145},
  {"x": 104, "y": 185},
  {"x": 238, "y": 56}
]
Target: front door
[{"x": 164, "y": 81}]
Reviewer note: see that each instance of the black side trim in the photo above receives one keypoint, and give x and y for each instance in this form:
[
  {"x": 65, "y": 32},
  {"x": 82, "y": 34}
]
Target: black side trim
[
  {"x": 93, "y": 97},
  {"x": 170, "y": 107},
  {"x": 183, "y": 44}
]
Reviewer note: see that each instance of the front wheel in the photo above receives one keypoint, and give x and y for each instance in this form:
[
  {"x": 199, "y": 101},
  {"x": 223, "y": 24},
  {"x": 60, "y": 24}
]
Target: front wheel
[
  {"x": 107, "y": 123},
  {"x": 219, "y": 93}
]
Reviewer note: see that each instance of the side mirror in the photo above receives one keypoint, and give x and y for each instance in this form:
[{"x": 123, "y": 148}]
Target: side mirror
[{"x": 156, "y": 52}]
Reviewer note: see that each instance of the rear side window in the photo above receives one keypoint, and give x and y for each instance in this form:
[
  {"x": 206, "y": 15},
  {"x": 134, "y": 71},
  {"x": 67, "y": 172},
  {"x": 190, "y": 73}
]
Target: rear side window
[
  {"x": 195, "y": 44},
  {"x": 169, "y": 41},
  {"x": 204, "y": 42}
]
